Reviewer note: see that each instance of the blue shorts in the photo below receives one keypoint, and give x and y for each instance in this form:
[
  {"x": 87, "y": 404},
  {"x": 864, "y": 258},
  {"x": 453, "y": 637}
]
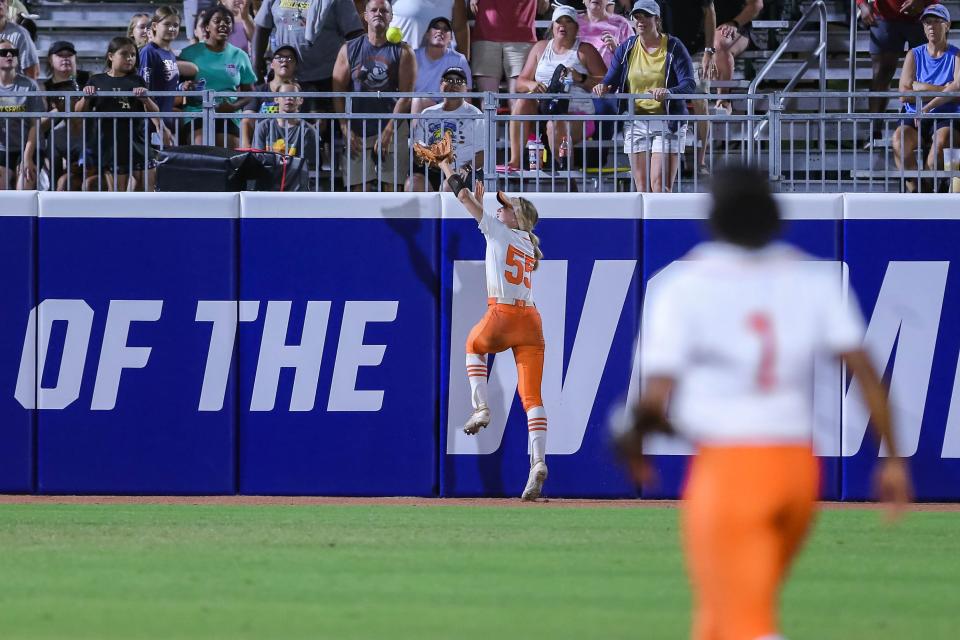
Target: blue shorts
[{"x": 894, "y": 37}]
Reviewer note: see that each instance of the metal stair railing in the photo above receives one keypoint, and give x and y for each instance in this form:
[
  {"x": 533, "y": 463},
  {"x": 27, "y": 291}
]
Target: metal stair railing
[{"x": 820, "y": 52}]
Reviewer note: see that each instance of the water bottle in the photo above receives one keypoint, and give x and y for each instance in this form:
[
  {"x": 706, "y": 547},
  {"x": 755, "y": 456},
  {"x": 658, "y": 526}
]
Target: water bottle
[
  {"x": 568, "y": 81},
  {"x": 533, "y": 152},
  {"x": 562, "y": 154}
]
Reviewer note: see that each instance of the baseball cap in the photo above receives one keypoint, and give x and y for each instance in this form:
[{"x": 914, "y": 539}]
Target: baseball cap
[
  {"x": 61, "y": 45},
  {"x": 288, "y": 47},
  {"x": 440, "y": 20},
  {"x": 564, "y": 10},
  {"x": 454, "y": 71},
  {"x": 936, "y": 10},
  {"x": 647, "y": 6}
]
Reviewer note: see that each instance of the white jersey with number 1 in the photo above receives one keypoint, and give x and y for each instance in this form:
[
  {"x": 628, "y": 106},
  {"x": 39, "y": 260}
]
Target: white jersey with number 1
[
  {"x": 510, "y": 260},
  {"x": 738, "y": 330}
]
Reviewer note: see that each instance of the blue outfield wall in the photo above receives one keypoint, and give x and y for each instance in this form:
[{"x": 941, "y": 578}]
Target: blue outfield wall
[{"x": 312, "y": 344}]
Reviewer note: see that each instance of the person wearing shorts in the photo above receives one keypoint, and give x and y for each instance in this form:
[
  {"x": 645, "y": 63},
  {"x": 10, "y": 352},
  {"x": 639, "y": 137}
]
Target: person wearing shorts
[
  {"x": 377, "y": 155},
  {"x": 732, "y": 37},
  {"x": 894, "y": 25},
  {"x": 655, "y": 63},
  {"x": 512, "y": 320},
  {"x": 727, "y": 358},
  {"x": 933, "y": 66},
  {"x": 502, "y": 37}
]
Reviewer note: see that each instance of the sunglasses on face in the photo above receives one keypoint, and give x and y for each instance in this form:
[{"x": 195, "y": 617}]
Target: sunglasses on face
[
  {"x": 8, "y": 53},
  {"x": 283, "y": 58},
  {"x": 454, "y": 81}
]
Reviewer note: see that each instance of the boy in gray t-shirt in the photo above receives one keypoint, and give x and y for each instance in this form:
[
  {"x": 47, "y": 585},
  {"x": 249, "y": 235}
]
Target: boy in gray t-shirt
[
  {"x": 288, "y": 135},
  {"x": 20, "y": 37},
  {"x": 14, "y": 131}
]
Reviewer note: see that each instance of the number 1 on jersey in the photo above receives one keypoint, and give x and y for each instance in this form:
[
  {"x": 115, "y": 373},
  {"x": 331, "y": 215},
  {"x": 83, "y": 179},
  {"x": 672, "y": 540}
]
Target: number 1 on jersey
[{"x": 762, "y": 324}]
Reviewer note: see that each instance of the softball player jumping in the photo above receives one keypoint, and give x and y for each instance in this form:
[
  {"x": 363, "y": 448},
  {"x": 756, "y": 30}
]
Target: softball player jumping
[
  {"x": 511, "y": 320},
  {"x": 730, "y": 343}
]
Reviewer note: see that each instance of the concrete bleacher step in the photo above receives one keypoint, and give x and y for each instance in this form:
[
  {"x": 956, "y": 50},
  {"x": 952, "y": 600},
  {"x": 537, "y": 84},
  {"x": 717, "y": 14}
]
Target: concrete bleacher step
[{"x": 73, "y": 12}]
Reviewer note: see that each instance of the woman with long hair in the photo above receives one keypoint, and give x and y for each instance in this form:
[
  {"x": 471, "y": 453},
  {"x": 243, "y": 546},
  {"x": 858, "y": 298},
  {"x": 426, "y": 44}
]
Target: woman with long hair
[
  {"x": 512, "y": 320},
  {"x": 658, "y": 64},
  {"x": 579, "y": 60},
  {"x": 120, "y": 145}
]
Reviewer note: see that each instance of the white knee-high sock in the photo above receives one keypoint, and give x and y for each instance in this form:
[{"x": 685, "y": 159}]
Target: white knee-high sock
[
  {"x": 477, "y": 375},
  {"x": 537, "y": 433}
]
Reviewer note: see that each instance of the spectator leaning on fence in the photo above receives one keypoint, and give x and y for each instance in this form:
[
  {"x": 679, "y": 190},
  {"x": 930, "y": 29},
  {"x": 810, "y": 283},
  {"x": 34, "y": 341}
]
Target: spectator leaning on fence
[
  {"x": 414, "y": 17},
  {"x": 288, "y": 134},
  {"x": 543, "y": 72},
  {"x": 929, "y": 67},
  {"x": 503, "y": 34},
  {"x": 26, "y": 50},
  {"x": 12, "y": 129},
  {"x": 893, "y": 24},
  {"x": 371, "y": 64},
  {"x": 434, "y": 57},
  {"x": 733, "y": 18},
  {"x": 222, "y": 67},
  {"x": 159, "y": 67},
  {"x": 468, "y": 134},
  {"x": 317, "y": 29},
  {"x": 64, "y": 76},
  {"x": 120, "y": 145},
  {"x": 652, "y": 62},
  {"x": 283, "y": 70}
]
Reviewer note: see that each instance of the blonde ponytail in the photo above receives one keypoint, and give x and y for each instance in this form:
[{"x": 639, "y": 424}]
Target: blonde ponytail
[
  {"x": 528, "y": 217},
  {"x": 537, "y": 254}
]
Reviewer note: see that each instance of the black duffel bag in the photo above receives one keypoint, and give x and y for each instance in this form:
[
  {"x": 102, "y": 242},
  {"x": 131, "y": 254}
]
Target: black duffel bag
[
  {"x": 203, "y": 168},
  {"x": 200, "y": 168}
]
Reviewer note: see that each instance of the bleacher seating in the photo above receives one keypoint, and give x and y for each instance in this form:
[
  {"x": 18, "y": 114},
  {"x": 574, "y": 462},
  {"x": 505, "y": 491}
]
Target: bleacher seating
[{"x": 852, "y": 155}]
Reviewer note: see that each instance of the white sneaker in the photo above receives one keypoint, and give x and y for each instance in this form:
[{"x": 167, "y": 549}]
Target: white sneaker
[
  {"x": 477, "y": 421},
  {"x": 538, "y": 475}
]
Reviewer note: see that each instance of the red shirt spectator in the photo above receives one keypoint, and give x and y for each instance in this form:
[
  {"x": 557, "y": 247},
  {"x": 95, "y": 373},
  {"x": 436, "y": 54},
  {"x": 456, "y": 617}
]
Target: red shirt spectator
[
  {"x": 893, "y": 11},
  {"x": 505, "y": 20}
]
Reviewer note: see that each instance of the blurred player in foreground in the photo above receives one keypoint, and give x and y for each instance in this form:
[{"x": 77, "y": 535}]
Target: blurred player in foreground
[
  {"x": 512, "y": 320},
  {"x": 729, "y": 346}
]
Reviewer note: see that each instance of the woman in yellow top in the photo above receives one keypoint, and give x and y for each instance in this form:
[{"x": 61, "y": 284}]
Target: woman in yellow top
[{"x": 657, "y": 64}]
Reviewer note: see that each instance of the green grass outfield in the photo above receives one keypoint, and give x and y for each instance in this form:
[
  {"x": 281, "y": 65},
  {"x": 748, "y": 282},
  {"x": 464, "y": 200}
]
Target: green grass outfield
[{"x": 178, "y": 571}]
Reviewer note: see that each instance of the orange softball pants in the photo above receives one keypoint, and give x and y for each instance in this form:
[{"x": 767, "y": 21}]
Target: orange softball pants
[
  {"x": 506, "y": 326},
  {"x": 747, "y": 510}
]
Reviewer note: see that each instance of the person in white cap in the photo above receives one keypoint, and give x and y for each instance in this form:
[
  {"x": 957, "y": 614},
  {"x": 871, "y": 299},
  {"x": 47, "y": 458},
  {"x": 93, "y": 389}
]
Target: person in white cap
[
  {"x": 583, "y": 64},
  {"x": 655, "y": 63}
]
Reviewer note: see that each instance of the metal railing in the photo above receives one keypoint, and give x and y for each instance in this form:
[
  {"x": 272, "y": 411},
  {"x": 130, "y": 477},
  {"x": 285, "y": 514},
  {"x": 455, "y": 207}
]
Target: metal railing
[
  {"x": 819, "y": 52},
  {"x": 803, "y": 151}
]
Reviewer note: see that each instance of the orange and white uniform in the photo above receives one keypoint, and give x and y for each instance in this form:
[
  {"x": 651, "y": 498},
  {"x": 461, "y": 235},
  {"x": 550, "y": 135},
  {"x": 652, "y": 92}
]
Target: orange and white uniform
[
  {"x": 738, "y": 331},
  {"x": 511, "y": 322}
]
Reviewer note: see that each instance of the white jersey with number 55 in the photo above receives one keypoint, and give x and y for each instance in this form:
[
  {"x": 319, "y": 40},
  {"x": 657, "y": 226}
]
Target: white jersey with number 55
[
  {"x": 509, "y": 260},
  {"x": 738, "y": 330}
]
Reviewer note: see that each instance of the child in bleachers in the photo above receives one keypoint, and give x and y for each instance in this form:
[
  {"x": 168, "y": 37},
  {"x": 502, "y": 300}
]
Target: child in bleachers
[{"x": 120, "y": 144}]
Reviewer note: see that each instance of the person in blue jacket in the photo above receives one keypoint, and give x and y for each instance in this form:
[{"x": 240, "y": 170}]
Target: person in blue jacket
[{"x": 656, "y": 64}]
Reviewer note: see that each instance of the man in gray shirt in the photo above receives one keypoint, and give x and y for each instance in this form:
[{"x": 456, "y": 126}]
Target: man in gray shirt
[
  {"x": 284, "y": 22},
  {"x": 13, "y": 130},
  {"x": 27, "y": 52}
]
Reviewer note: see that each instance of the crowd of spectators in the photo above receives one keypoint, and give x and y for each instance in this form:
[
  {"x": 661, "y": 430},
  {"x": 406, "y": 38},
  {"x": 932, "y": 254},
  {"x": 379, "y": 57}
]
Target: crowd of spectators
[{"x": 592, "y": 48}]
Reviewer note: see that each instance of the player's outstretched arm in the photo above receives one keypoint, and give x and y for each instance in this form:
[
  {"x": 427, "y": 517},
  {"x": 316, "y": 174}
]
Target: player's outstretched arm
[
  {"x": 892, "y": 480},
  {"x": 472, "y": 202}
]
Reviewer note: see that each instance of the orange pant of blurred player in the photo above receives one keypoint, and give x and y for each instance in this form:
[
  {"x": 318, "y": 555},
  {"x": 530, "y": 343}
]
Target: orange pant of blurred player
[
  {"x": 506, "y": 326},
  {"x": 747, "y": 511}
]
